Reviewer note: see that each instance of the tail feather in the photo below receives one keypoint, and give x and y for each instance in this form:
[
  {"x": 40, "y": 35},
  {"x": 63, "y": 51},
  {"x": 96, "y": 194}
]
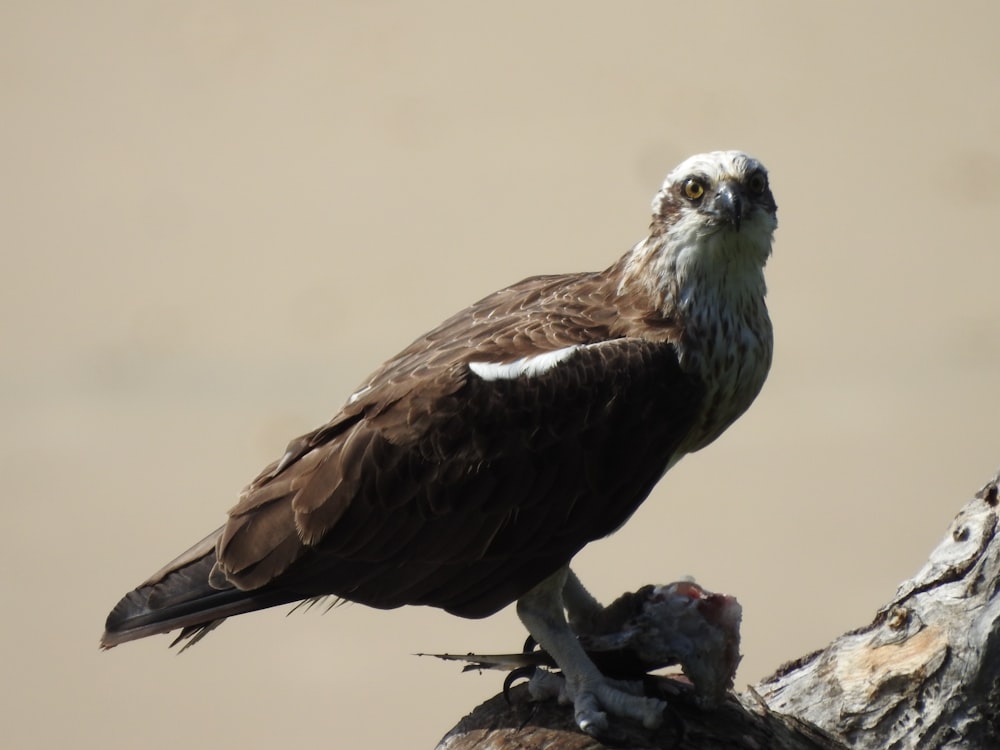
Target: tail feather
[{"x": 183, "y": 598}]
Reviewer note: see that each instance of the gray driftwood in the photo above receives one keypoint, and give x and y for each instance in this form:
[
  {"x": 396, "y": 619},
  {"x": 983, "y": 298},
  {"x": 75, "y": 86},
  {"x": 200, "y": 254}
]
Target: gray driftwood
[{"x": 925, "y": 673}]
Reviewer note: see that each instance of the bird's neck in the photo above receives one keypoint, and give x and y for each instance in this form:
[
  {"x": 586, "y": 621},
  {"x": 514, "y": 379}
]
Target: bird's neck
[
  {"x": 702, "y": 280},
  {"x": 712, "y": 287}
]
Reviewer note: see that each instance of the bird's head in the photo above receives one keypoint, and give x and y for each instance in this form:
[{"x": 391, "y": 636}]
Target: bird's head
[
  {"x": 717, "y": 192},
  {"x": 710, "y": 236}
]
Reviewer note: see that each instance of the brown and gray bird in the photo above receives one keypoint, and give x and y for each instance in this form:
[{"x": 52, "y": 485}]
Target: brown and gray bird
[{"x": 470, "y": 468}]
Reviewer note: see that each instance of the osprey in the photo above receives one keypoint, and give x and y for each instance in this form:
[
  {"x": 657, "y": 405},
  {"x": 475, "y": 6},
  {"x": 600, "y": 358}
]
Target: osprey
[{"x": 470, "y": 468}]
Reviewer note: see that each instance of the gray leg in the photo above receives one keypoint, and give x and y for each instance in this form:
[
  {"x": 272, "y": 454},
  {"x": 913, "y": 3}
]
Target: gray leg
[
  {"x": 581, "y": 606},
  {"x": 542, "y": 610}
]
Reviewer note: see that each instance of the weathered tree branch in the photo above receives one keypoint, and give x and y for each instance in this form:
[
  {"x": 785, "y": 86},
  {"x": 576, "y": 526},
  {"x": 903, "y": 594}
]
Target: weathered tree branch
[{"x": 925, "y": 673}]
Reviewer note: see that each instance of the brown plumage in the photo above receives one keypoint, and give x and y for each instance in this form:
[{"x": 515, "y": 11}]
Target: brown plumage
[
  {"x": 435, "y": 486},
  {"x": 474, "y": 464}
]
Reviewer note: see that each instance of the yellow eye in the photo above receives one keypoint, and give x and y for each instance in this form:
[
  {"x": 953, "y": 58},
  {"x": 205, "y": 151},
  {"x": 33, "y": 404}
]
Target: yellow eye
[
  {"x": 758, "y": 183},
  {"x": 693, "y": 188}
]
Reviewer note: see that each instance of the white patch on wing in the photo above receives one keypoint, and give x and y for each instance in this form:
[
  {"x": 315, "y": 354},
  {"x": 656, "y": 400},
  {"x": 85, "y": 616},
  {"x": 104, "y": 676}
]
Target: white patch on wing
[
  {"x": 526, "y": 367},
  {"x": 358, "y": 394}
]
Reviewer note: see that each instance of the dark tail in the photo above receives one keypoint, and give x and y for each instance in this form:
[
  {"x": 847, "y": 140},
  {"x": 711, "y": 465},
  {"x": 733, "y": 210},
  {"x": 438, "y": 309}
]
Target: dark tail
[{"x": 180, "y": 596}]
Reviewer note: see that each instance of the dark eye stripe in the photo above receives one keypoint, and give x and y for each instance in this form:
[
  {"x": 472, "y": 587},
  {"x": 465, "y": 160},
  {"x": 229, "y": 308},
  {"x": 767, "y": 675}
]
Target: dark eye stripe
[{"x": 757, "y": 182}]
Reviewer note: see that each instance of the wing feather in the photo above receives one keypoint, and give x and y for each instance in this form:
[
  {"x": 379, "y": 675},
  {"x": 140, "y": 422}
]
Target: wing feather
[{"x": 436, "y": 486}]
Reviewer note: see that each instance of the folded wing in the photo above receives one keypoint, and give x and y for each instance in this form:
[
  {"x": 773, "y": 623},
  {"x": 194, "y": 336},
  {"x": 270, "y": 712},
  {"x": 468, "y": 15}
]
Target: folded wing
[{"x": 466, "y": 470}]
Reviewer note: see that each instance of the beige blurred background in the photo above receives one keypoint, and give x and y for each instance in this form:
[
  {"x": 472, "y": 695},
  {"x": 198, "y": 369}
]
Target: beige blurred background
[{"x": 217, "y": 217}]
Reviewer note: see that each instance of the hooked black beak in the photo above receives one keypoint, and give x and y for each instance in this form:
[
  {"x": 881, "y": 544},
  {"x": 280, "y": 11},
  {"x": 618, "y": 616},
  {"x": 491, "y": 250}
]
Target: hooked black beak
[{"x": 728, "y": 204}]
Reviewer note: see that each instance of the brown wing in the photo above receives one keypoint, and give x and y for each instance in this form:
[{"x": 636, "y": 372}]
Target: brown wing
[{"x": 437, "y": 486}]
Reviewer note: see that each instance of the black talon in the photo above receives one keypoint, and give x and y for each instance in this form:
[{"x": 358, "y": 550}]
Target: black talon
[
  {"x": 530, "y": 644},
  {"x": 515, "y": 675}
]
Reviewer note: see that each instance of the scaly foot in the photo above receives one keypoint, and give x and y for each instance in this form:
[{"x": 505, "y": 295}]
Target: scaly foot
[
  {"x": 594, "y": 696},
  {"x": 594, "y": 699}
]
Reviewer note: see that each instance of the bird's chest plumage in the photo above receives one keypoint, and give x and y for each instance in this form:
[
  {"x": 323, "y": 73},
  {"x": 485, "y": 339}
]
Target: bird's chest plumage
[{"x": 727, "y": 345}]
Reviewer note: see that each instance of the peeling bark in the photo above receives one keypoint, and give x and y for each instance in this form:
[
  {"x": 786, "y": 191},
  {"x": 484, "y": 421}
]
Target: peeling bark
[{"x": 925, "y": 673}]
